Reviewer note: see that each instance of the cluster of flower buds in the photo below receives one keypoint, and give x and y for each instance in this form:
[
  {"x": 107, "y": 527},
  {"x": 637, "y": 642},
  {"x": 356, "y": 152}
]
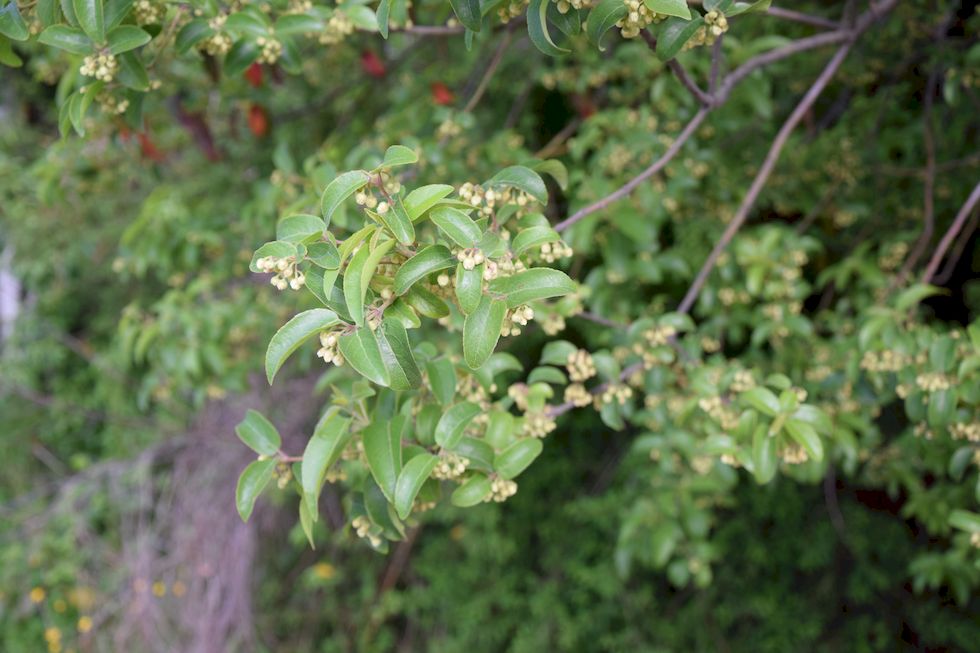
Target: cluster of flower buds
[
  {"x": 286, "y": 269},
  {"x": 449, "y": 128},
  {"x": 553, "y": 324},
  {"x": 502, "y": 489},
  {"x": 470, "y": 257},
  {"x": 538, "y": 424},
  {"x": 516, "y": 318},
  {"x": 365, "y": 529},
  {"x": 637, "y": 17},
  {"x": 715, "y": 24},
  {"x": 299, "y": 6},
  {"x": 659, "y": 336},
  {"x": 793, "y": 454},
  {"x": 932, "y": 382},
  {"x": 271, "y": 50},
  {"x": 565, "y": 5},
  {"x": 283, "y": 474},
  {"x": 328, "y": 348},
  {"x": 616, "y": 392},
  {"x": 577, "y": 395},
  {"x": 102, "y": 66},
  {"x": 551, "y": 252},
  {"x": 147, "y": 12},
  {"x": 743, "y": 381},
  {"x": 338, "y": 27},
  {"x": 218, "y": 43},
  {"x": 111, "y": 104},
  {"x": 580, "y": 366},
  {"x": 719, "y": 412},
  {"x": 887, "y": 360},
  {"x": 965, "y": 431},
  {"x": 511, "y": 9},
  {"x": 450, "y": 466},
  {"x": 365, "y": 198}
]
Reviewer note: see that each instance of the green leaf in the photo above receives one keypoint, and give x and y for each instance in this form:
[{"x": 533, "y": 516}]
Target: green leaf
[
  {"x": 453, "y": 422},
  {"x": 500, "y": 429},
  {"x": 674, "y": 34},
  {"x": 816, "y": 418},
  {"x": 431, "y": 259},
  {"x": 479, "y": 453},
  {"x": 474, "y": 491},
  {"x": 90, "y": 18},
  {"x": 248, "y": 22},
  {"x": 293, "y": 334},
  {"x": 7, "y": 55},
  {"x": 556, "y": 169},
  {"x": 329, "y": 439},
  {"x": 362, "y": 17},
  {"x": 275, "y": 249},
  {"x": 396, "y": 353},
  {"x": 806, "y": 437},
  {"x": 251, "y": 482},
  {"x": 746, "y": 7},
  {"x": 442, "y": 379},
  {"x": 125, "y": 38},
  {"x": 69, "y": 39},
  {"x": 410, "y": 481},
  {"x": 358, "y": 277},
  {"x": 191, "y": 34},
  {"x": 324, "y": 254},
  {"x": 306, "y": 522},
  {"x": 915, "y": 294},
  {"x": 401, "y": 311},
  {"x": 557, "y": 352},
  {"x": 468, "y": 13},
  {"x": 383, "y": 450},
  {"x": 533, "y": 237},
  {"x": 399, "y": 155},
  {"x": 48, "y": 12},
  {"x": 547, "y": 374},
  {"x": 398, "y": 222},
  {"x": 481, "y": 330},
  {"x": 515, "y": 459},
  {"x": 531, "y": 285},
  {"x": 339, "y": 190},
  {"x": 469, "y": 287},
  {"x": 242, "y": 54},
  {"x": 965, "y": 520},
  {"x": 762, "y": 399},
  {"x": 764, "y": 458},
  {"x": 941, "y": 409},
  {"x": 427, "y": 303},
  {"x": 362, "y": 351},
  {"x": 115, "y": 12},
  {"x": 523, "y": 179},
  {"x": 259, "y": 434},
  {"x": 292, "y": 24},
  {"x": 457, "y": 225},
  {"x": 537, "y": 28},
  {"x": 132, "y": 73},
  {"x": 424, "y": 198},
  {"x": 669, "y": 7},
  {"x": 299, "y": 228},
  {"x": 603, "y": 18},
  {"x": 382, "y": 16},
  {"x": 12, "y": 24}
]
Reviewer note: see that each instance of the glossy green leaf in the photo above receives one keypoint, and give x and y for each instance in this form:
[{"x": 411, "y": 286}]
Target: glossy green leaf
[
  {"x": 531, "y": 285},
  {"x": 501, "y": 430},
  {"x": 762, "y": 399},
  {"x": 533, "y": 237},
  {"x": 965, "y": 520},
  {"x": 410, "y": 481},
  {"x": 481, "y": 330},
  {"x": 298, "y": 24},
  {"x": 361, "y": 350},
  {"x": 69, "y": 39},
  {"x": 191, "y": 34},
  {"x": 764, "y": 457},
  {"x": 603, "y": 18},
  {"x": 125, "y": 38},
  {"x": 453, "y": 422},
  {"x": 299, "y": 228},
  {"x": 330, "y": 437},
  {"x": 294, "y": 333},
  {"x": 468, "y": 13},
  {"x": 12, "y": 24},
  {"x": 383, "y": 450},
  {"x": 398, "y": 223},
  {"x": 324, "y": 254},
  {"x": 442, "y": 379},
  {"x": 427, "y": 303},
  {"x": 479, "y": 453},
  {"x": 469, "y": 287},
  {"x": 382, "y": 15},
  {"x": 517, "y": 457},
  {"x": 339, "y": 190},
  {"x": 91, "y": 18},
  {"x": 431, "y": 259},
  {"x": 399, "y": 155},
  {"x": 677, "y": 8},
  {"x": 474, "y": 491},
  {"x": 251, "y": 482},
  {"x": 522, "y": 178},
  {"x": 806, "y": 436},
  {"x": 132, "y": 72},
  {"x": 424, "y": 198},
  {"x": 816, "y": 418},
  {"x": 259, "y": 434},
  {"x": 674, "y": 34},
  {"x": 396, "y": 353},
  {"x": 457, "y": 225},
  {"x": 537, "y": 28},
  {"x": 276, "y": 249},
  {"x": 357, "y": 277}
]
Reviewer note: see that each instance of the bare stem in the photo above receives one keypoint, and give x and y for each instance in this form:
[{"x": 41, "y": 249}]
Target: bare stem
[{"x": 951, "y": 233}]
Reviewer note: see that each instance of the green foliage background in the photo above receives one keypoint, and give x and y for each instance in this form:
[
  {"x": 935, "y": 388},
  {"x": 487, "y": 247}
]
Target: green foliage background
[{"x": 141, "y": 335}]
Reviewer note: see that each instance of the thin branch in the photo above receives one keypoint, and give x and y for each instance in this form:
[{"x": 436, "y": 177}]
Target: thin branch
[
  {"x": 951, "y": 233},
  {"x": 491, "y": 69},
  {"x": 716, "y": 57},
  {"x": 954, "y": 258},
  {"x": 763, "y": 175},
  {"x": 680, "y": 72},
  {"x": 551, "y": 147},
  {"x": 653, "y": 169},
  {"x": 800, "y": 17},
  {"x": 598, "y": 319}
]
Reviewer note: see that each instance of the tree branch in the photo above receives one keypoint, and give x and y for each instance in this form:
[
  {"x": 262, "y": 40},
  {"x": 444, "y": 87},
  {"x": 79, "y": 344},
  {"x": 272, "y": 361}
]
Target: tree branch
[
  {"x": 800, "y": 17},
  {"x": 763, "y": 175},
  {"x": 680, "y": 72},
  {"x": 951, "y": 233}
]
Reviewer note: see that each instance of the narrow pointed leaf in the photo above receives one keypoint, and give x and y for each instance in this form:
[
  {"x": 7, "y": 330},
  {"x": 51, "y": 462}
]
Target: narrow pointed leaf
[
  {"x": 442, "y": 379},
  {"x": 457, "y": 225},
  {"x": 339, "y": 190},
  {"x": 481, "y": 330},
  {"x": 383, "y": 450},
  {"x": 523, "y": 179},
  {"x": 474, "y": 491},
  {"x": 12, "y": 24},
  {"x": 125, "y": 38},
  {"x": 453, "y": 422},
  {"x": 398, "y": 223},
  {"x": 259, "y": 434},
  {"x": 469, "y": 287},
  {"x": 324, "y": 448},
  {"x": 410, "y": 481},
  {"x": 674, "y": 34},
  {"x": 517, "y": 457},
  {"x": 396, "y": 354},
  {"x": 293, "y": 334},
  {"x": 537, "y": 28},
  {"x": 468, "y": 13},
  {"x": 806, "y": 436},
  {"x": 251, "y": 482},
  {"x": 603, "y": 18},
  {"x": 360, "y": 349},
  {"x": 531, "y": 285},
  {"x": 69, "y": 39},
  {"x": 424, "y": 198},
  {"x": 90, "y": 18},
  {"x": 431, "y": 259},
  {"x": 399, "y": 155}
]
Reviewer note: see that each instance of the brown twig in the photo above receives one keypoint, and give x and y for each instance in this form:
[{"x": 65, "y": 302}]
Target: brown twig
[
  {"x": 951, "y": 233},
  {"x": 763, "y": 175},
  {"x": 954, "y": 258},
  {"x": 680, "y": 72},
  {"x": 800, "y": 17},
  {"x": 491, "y": 69}
]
